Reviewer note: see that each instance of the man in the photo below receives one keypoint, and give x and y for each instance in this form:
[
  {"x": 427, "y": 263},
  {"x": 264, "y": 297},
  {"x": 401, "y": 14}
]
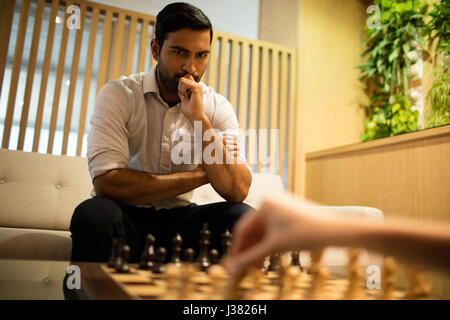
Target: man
[{"x": 140, "y": 184}]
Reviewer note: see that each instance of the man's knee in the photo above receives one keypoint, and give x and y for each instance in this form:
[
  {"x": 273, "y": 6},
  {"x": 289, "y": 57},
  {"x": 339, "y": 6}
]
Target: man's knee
[
  {"x": 236, "y": 210},
  {"x": 94, "y": 214}
]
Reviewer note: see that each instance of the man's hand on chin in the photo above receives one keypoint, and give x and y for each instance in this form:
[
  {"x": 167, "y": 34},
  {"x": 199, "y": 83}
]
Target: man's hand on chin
[{"x": 190, "y": 93}]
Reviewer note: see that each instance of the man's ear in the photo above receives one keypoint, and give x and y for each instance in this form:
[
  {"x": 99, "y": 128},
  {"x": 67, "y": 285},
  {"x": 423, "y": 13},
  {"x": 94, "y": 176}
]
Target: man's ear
[{"x": 155, "y": 49}]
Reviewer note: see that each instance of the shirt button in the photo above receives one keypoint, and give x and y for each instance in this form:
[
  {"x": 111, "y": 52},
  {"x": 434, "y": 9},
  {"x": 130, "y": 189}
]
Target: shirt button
[
  {"x": 57, "y": 187},
  {"x": 2, "y": 181}
]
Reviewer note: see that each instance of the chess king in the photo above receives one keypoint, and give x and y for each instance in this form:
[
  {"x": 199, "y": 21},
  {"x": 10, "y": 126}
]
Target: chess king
[{"x": 138, "y": 189}]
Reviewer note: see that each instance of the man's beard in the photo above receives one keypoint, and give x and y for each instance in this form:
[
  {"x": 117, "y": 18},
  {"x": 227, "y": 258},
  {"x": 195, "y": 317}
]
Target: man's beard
[{"x": 171, "y": 82}]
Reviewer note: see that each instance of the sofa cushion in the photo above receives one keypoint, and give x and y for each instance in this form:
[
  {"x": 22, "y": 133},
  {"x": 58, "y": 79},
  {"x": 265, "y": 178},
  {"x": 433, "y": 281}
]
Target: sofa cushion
[
  {"x": 41, "y": 190},
  {"x": 35, "y": 244}
]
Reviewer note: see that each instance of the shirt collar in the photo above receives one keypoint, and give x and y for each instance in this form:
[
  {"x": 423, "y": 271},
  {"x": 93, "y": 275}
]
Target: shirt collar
[{"x": 150, "y": 84}]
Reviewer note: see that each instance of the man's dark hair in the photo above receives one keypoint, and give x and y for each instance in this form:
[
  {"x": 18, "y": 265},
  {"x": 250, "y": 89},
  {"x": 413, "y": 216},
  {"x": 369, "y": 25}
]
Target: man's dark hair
[{"x": 180, "y": 15}]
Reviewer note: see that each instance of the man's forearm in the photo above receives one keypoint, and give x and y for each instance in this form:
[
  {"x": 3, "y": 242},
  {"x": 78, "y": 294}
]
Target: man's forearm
[
  {"x": 136, "y": 188},
  {"x": 406, "y": 240},
  {"x": 230, "y": 180}
]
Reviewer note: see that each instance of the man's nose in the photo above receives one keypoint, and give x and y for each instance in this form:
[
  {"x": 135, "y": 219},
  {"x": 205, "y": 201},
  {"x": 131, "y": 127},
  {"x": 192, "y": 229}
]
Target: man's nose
[{"x": 189, "y": 66}]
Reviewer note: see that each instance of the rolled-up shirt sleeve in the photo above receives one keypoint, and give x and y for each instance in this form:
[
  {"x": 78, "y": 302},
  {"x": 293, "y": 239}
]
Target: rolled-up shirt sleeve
[{"x": 108, "y": 138}]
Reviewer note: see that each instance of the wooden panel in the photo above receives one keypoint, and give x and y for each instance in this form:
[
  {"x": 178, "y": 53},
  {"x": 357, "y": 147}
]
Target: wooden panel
[
  {"x": 73, "y": 79},
  {"x": 242, "y": 105},
  {"x": 253, "y": 104},
  {"x": 283, "y": 108},
  {"x": 30, "y": 72},
  {"x": 152, "y": 61},
  {"x": 233, "y": 72},
  {"x": 292, "y": 119},
  {"x": 212, "y": 68},
  {"x": 274, "y": 97},
  {"x": 131, "y": 42},
  {"x": 118, "y": 46},
  {"x": 104, "y": 53},
  {"x": 58, "y": 83},
  {"x": 263, "y": 88},
  {"x": 222, "y": 65},
  {"x": 15, "y": 72},
  {"x": 6, "y": 18},
  {"x": 87, "y": 79},
  {"x": 44, "y": 79},
  {"x": 143, "y": 46}
]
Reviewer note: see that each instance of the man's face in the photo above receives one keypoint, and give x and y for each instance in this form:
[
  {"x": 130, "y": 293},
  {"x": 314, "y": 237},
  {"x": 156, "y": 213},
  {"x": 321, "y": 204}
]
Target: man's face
[{"x": 185, "y": 51}]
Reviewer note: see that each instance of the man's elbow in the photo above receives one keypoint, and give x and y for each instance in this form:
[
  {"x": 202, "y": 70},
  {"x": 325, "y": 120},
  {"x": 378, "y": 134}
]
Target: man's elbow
[
  {"x": 239, "y": 192},
  {"x": 103, "y": 185}
]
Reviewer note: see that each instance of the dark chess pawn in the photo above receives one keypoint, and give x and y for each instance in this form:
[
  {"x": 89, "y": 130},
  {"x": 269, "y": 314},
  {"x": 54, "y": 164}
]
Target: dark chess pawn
[
  {"x": 295, "y": 261},
  {"x": 176, "y": 251},
  {"x": 189, "y": 255},
  {"x": 114, "y": 253},
  {"x": 148, "y": 255},
  {"x": 274, "y": 262},
  {"x": 122, "y": 265},
  {"x": 158, "y": 267},
  {"x": 214, "y": 256},
  {"x": 226, "y": 241},
  {"x": 203, "y": 259}
]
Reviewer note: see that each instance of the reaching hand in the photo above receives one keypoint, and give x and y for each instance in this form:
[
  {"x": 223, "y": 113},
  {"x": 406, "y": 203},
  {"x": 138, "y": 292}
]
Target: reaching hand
[{"x": 281, "y": 223}]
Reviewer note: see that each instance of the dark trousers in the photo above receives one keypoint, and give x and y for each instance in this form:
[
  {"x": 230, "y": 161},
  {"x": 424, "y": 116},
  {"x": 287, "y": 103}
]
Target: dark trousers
[{"x": 95, "y": 222}]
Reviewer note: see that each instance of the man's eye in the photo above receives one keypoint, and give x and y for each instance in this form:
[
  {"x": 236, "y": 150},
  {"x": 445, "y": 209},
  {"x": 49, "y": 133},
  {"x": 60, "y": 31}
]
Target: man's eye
[
  {"x": 203, "y": 55},
  {"x": 179, "y": 52}
]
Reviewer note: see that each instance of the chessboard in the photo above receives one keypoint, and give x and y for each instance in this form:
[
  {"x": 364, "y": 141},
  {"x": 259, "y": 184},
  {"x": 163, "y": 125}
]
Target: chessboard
[{"x": 205, "y": 278}]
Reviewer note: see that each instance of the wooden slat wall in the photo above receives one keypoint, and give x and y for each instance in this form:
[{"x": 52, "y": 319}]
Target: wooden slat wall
[{"x": 258, "y": 78}]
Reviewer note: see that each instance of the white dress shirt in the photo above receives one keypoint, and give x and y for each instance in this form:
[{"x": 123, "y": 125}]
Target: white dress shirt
[{"x": 132, "y": 127}]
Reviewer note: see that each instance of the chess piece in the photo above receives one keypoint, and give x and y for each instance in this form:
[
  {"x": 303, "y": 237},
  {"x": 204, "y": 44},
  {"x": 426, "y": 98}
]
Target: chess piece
[
  {"x": 319, "y": 274},
  {"x": 288, "y": 280},
  {"x": 116, "y": 243},
  {"x": 177, "y": 242},
  {"x": 275, "y": 261},
  {"x": 295, "y": 261},
  {"x": 189, "y": 255},
  {"x": 388, "y": 278},
  {"x": 356, "y": 276},
  {"x": 419, "y": 287},
  {"x": 158, "y": 267},
  {"x": 189, "y": 272},
  {"x": 214, "y": 256},
  {"x": 257, "y": 292},
  {"x": 148, "y": 255},
  {"x": 203, "y": 259},
  {"x": 218, "y": 275},
  {"x": 173, "y": 277},
  {"x": 226, "y": 241},
  {"x": 232, "y": 289},
  {"x": 122, "y": 265}
]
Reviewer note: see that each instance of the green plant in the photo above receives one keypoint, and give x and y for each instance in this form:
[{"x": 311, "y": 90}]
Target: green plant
[
  {"x": 438, "y": 34},
  {"x": 439, "y": 99},
  {"x": 438, "y": 28},
  {"x": 386, "y": 67},
  {"x": 394, "y": 118}
]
